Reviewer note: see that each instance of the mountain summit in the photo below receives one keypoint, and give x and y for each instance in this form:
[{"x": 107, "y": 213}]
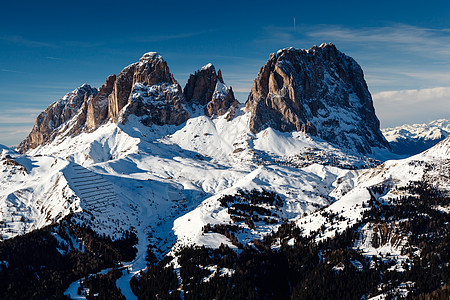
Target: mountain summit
[
  {"x": 267, "y": 197},
  {"x": 206, "y": 87},
  {"x": 320, "y": 91},
  {"x": 145, "y": 89}
]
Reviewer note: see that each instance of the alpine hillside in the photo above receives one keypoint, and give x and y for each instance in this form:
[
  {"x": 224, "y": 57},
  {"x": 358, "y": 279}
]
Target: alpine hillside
[{"x": 143, "y": 189}]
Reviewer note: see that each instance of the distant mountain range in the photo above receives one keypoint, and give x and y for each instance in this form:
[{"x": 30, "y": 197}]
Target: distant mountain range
[
  {"x": 415, "y": 138},
  {"x": 143, "y": 189}
]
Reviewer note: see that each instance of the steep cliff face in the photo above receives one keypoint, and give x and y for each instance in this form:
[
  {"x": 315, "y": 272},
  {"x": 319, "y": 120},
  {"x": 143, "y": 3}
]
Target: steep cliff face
[
  {"x": 155, "y": 96},
  {"x": 201, "y": 85},
  {"x": 150, "y": 70},
  {"x": 206, "y": 87},
  {"x": 320, "y": 91},
  {"x": 48, "y": 122},
  {"x": 97, "y": 109},
  {"x": 160, "y": 104},
  {"x": 146, "y": 89}
]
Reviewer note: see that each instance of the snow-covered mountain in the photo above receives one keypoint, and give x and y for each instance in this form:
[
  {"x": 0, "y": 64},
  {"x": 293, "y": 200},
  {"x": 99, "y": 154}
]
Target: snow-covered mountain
[
  {"x": 141, "y": 117},
  {"x": 192, "y": 167},
  {"x": 416, "y": 138},
  {"x": 320, "y": 91}
]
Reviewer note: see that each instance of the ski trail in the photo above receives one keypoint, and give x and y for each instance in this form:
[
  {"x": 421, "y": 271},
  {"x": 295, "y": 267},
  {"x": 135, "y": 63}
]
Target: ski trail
[{"x": 139, "y": 263}]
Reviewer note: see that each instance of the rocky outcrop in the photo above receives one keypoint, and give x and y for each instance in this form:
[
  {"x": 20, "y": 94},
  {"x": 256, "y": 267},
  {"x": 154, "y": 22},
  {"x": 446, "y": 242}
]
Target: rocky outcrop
[
  {"x": 320, "y": 91},
  {"x": 155, "y": 96},
  {"x": 150, "y": 70},
  {"x": 120, "y": 92},
  {"x": 97, "y": 109},
  {"x": 159, "y": 104},
  {"x": 200, "y": 86},
  {"x": 206, "y": 88},
  {"x": 146, "y": 89},
  {"x": 48, "y": 123}
]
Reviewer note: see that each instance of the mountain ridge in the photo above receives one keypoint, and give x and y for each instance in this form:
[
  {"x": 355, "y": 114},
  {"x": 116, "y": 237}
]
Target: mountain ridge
[
  {"x": 148, "y": 89},
  {"x": 191, "y": 192},
  {"x": 145, "y": 88},
  {"x": 412, "y": 139},
  {"x": 320, "y": 91}
]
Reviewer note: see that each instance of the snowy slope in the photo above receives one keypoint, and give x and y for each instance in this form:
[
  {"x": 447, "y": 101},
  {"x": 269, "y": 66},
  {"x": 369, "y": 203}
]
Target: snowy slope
[
  {"x": 165, "y": 183},
  {"x": 33, "y": 193},
  {"x": 353, "y": 196},
  {"x": 160, "y": 173},
  {"x": 161, "y": 182}
]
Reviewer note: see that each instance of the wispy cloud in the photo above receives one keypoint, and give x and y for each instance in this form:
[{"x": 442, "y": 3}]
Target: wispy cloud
[
  {"x": 20, "y": 40},
  {"x": 16, "y": 123},
  {"x": 18, "y": 116},
  {"x": 407, "y": 106},
  {"x": 9, "y": 119},
  {"x": 12, "y": 71},
  {"x": 166, "y": 37},
  {"x": 12, "y": 136},
  {"x": 18, "y": 110},
  {"x": 395, "y": 56},
  {"x": 54, "y": 58},
  {"x": 242, "y": 89},
  {"x": 425, "y": 41}
]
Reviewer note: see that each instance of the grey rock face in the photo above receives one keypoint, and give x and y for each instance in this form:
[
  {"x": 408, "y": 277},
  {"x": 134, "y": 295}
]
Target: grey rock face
[
  {"x": 158, "y": 104},
  {"x": 145, "y": 88},
  {"x": 97, "y": 109},
  {"x": 155, "y": 96},
  {"x": 206, "y": 87},
  {"x": 320, "y": 91},
  {"x": 201, "y": 85},
  {"x": 150, "y": 70},
  {"x": 48, "y": 122}
]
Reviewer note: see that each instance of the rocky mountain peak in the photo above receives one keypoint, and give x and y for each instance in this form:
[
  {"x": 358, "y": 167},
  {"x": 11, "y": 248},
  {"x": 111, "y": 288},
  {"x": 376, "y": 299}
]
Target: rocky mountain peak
[
  {"x": 57, "y": 114},
  {"x": 151, "y": 69},
  {"x": 150, "y": 56},
  {"x": 146, "y": 88},
  {"x": 206, "y": 87},
  {"x": 320, "y": 91}
]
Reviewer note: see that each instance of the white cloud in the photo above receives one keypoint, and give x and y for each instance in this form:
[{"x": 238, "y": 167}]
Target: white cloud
[
  {"x": 12, "y": 136},
  {"x": 393, "y": 57},
  {"x": 20, "y": 40},
  {"x": 412, "y": 106},
  {"x": 428, "y": 42},
  {"x": 16, "y": 124},
  {"x": 408, "y": 38},
  {"x": 18, "y": 116}
]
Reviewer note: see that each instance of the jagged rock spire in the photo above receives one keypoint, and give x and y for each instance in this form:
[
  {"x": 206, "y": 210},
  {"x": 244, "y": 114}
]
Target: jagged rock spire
[
  {"x": 58, "y": 114},
  {"x": 320, "y": 91},
  {"x": 206, "y": 87},
  {"x": 146, "y": 88}
]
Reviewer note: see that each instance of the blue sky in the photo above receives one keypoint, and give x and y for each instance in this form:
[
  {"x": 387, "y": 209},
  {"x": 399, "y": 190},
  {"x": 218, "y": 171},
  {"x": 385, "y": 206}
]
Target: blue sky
[{"x": 48, "y": 48}]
